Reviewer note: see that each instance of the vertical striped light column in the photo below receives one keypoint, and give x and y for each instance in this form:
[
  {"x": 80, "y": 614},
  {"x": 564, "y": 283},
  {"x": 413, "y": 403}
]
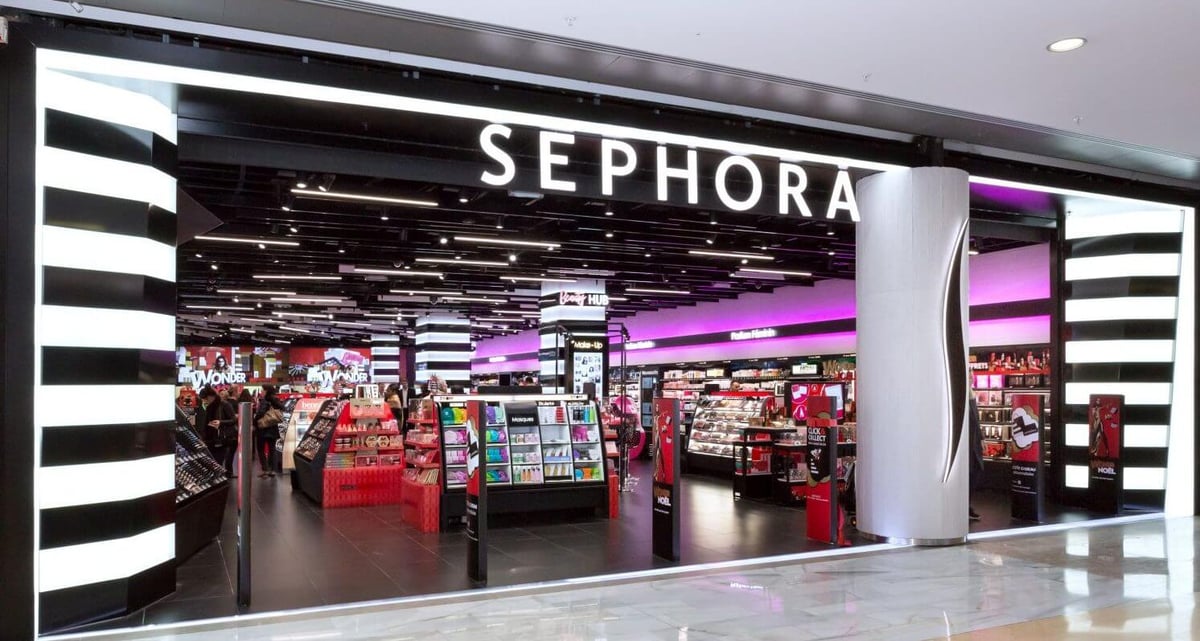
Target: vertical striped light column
[
  {"x": 1122, "y": 306},
  {"x": 385, "y": 358},
  {"x": 105, "y": 335},
  {"x": 444, "y": 349},
  {"x": 579, "y": 320}
]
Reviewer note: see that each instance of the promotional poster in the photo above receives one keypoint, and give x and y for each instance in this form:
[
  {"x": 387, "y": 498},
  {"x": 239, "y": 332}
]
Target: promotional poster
[
  {"x": 204, "y": 365},
  {"x": 666, "y": 489},
  {"x": 587, "y": 362},
  {"x": 1106, "y": 425},
  {"x": 329, "y": 369},
  {"x": 801, "y": 392},
  {"x": 476, "y": 496},
  {"x": 821, "y": 433},
  {"x": 1026, "y": 456}
]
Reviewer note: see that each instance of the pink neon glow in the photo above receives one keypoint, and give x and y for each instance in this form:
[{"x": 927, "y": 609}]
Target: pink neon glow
[
  {"x": 527, "y": 365},
  {"x": 996, "y": 277},
  {"x": 1011, "y": 275}
]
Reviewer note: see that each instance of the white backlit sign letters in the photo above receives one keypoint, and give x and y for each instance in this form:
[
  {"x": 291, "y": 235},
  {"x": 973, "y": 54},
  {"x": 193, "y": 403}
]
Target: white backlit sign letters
[
  {"x": 583, "y": 300},
  {"x": 497, "y": 359},
  {"x": 619, "y": 159},
  {"x": 750, "y": 334},
  {"x": 639, "y": 345}
]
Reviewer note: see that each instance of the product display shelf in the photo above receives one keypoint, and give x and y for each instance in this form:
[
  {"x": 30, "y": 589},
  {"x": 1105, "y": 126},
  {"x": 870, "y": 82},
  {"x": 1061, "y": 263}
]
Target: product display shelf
[
  {"x": 311, "y": 450},
  {"x": 302, "y": 411},
  {"x": 201, "y": 491},
  {"x": 421, "y": 487},
  {"x": 993, "y": 390},
  {"x": 753, "y": 459},
  {"x": 717, "y": 426}
]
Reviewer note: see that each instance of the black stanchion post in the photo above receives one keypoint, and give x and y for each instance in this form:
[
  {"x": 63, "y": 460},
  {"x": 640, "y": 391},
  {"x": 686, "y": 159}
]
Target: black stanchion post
[{"x": 245, "y": 465}]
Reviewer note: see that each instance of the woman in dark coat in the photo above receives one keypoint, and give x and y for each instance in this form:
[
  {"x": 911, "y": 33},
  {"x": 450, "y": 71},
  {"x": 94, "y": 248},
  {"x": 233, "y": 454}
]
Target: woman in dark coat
[{"x": 265, "y": 435}]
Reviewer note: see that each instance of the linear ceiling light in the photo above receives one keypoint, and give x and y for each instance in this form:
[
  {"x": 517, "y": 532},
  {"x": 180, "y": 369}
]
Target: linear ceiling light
[
  {"x": 1066, "y": 44},
  {"x": 221, "y": 307},
  {"x": 504, "y": 241},
  {"x": 457, "y": 261},
  {"x": 473, "y": 299},
  {"x": 242, "y": 331},
  {"x": 516, "y": 312},
  {"x": 293, "y": 277},
  {"x": 351, "y": 324},
  {"x": 781, "y": 272},
  {"x": 250, "y": 241},
  {"x": 425, "y": 292},
  {"x": 647, "y": 290},
  {"x": 538, "y": 279},
  {"x": 257, "y": 292},
  {"x": 704, "y": 252},
  {"x": 396, "y": 272},
  {"x": 341, "y": 195},
  {"x": 303, "y": 315},
  {"x": 304, "y": 299},
  {"x": 619, "y": 299}
]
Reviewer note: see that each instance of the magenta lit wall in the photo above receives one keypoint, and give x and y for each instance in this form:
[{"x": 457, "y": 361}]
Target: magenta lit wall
[{"x": 997, "y": 277}]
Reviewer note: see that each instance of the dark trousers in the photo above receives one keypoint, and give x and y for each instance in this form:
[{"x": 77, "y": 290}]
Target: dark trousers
[
  {"x": 264, "y": 446},
  {"x": 225, "y": 455}
]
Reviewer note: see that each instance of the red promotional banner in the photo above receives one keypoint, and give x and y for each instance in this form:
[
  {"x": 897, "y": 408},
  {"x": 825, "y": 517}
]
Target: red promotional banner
[
  {"x": 1026, "y": 434},
  {"x": 328, "y": 369},
  {"x": 202, "y": 365},
  {"x": 664, "y": 437},
  {"x": 665, "y": 508},
  {"x": 1106, "y": 423}
]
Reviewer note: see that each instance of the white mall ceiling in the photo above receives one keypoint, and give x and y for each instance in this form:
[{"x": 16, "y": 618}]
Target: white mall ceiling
[{"x": 1136, "y": 81}]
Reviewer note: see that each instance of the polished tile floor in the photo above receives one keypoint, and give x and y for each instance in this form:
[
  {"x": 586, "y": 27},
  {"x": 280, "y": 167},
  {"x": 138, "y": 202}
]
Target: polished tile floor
[
  {"x": 1096, "y": 581},
  {"x": 304, "y": 556}
]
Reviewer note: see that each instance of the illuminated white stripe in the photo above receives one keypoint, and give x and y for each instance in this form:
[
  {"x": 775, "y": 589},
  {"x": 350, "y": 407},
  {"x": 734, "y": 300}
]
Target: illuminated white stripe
[
  {"x": 386, "y": 365},
  {"x": 281, "y": 88},
  {"x": 88, "y": 563},
  {"x": 442, "y": 320},
  {"x": 103, "y": 102},
  {"x": 1079, "y": 435},
  {"x": 1125, "y": 308},
  {"x": 1076, "y": 476},
  {"x": 444, "y": 374},
  {"x": 98, "y": 251},
  {"x": 441, "y": 337},
  {"x": 106, "y": 404},
  {"x": 1121, "y": 266},
  {"x": 1181, "y": 453},
  {"x": 556, "y": 314},
  {"x": 379, "y": 350},
  {"x": 1145, "y": 478},
  {"x": 1135, "y": 393},
  {"x": 113, "y": 328},
  {"x": 444, "y": 357},
  {"x": 1090, "y": 225},
  {"x": 106, "y": 177},
  {"x": 68, "y": 485},
  {"x": 1119, "y": 351}
]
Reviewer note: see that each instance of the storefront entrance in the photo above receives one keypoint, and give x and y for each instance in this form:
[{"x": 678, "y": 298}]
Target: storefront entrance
[{"x": 333, "y": 230}]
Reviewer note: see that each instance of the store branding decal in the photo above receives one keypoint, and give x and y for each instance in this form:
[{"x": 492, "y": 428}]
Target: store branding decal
[
  {"x": 639, "y": 345},
  {"x": 216, "y": 377},
  {"x": 583, "y": 300},
  {"x": 619, "y": 159},
  {"x": 497, "y": 359},
  {"x": 352, "y": 374},
  {"x": 588, "y": 345},
  {"x": 750, "y": 334}
]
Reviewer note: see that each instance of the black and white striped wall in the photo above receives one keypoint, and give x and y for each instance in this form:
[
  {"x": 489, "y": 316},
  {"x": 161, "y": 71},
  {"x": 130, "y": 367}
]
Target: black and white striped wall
[
  {"x": 443, "y": 348},
  {"x": 557, "y": 318},
  {"x": 1129, "y": 306},
  {"x": 105, "y": 341},
  {"x": 385, "y": 358}
]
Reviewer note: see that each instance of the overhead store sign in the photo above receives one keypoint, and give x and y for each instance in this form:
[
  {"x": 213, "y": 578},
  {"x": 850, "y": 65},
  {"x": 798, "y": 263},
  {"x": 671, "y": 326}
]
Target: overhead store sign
[
  {"x": 750, "y": 334},
  {"x": 639, "y": 345},
  {"x": 675, "y": 164},
  {"x": 583, "y": 300}
]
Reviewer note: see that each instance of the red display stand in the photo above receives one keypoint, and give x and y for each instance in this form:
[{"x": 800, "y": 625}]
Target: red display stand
[
  {"x": 421, "y": 505},
  {"x": 363, "y": 486}
]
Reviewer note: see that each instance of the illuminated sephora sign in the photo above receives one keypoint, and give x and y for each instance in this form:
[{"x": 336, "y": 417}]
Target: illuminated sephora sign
[{"x": 619, "y": 159}]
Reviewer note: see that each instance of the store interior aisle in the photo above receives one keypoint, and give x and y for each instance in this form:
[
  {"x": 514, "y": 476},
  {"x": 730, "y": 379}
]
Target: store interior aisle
[{"x": 1127, "y": 574}]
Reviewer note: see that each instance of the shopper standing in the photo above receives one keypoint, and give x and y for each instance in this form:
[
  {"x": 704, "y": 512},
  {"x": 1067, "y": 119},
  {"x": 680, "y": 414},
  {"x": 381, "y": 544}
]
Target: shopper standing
[
  {"x": 976, "y": 444},
  {"x": 267, "y": 419},
  {"x": 220, "y": 428}
]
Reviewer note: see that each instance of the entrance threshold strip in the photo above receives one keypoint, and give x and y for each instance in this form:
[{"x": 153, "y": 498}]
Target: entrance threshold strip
[
  {"x": 530, "y": 589},
  {"x": 172, "y": 630},
  {"x": 1059, "y": 527}
]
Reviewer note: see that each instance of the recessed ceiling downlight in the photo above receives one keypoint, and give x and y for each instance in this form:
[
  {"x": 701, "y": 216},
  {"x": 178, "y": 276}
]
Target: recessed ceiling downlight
[{"x": 1066, "y": 44}]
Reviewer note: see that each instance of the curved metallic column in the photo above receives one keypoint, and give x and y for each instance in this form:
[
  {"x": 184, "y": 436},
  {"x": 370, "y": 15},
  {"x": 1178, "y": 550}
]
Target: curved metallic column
[{"x": 912, "y": 388}]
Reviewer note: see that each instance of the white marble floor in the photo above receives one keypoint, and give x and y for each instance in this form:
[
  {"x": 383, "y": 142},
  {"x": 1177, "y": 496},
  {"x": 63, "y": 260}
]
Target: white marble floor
[{"x": 894, "y": 594}]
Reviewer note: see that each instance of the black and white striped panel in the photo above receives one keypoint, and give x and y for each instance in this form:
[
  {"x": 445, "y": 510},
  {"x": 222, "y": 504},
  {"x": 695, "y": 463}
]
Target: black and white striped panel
[
  {"x": 444, "y": 349},
  {"x": 1121, "y": 306},
  {"x": 555, "y": 317},
  {"x": 385, "y": 358},
  {"x": 105, "y": 335}
]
